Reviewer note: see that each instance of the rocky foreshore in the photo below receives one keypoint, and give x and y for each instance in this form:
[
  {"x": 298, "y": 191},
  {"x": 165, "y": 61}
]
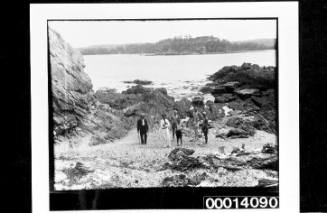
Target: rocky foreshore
[{"x": 243, "y": 107}]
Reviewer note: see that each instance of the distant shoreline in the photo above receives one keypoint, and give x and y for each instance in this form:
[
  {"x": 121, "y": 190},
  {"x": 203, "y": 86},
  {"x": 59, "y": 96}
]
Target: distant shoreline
[{"x": 171, "y": 54}]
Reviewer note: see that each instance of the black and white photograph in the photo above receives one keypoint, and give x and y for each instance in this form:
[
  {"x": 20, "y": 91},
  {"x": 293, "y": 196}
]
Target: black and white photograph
[
  {"x": 167, "y": 103},
  {"x": 164, "y": 103}
]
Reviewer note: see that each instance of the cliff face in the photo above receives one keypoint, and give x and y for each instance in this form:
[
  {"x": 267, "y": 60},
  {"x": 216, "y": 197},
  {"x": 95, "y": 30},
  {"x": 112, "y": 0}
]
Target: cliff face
[{"x": 71, "y": 86}]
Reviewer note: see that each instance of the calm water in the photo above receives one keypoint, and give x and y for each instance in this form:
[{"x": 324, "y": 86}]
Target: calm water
[{"x": 176, "y": 72}]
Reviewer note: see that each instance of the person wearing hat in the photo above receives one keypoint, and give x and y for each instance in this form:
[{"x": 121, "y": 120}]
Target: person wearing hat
[
  {"x": 164, "y": 126},
  {"x": 205, "y": 126},
  {"x": 142, "y": 128}
]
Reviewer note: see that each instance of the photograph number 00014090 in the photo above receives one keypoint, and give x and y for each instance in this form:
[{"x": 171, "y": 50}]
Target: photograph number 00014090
[{"x": 170, "y": 103}]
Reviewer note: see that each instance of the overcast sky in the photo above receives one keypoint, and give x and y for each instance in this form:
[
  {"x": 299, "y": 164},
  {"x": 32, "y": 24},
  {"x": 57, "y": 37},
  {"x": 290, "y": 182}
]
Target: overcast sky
[{"x": 86, "y": 33}]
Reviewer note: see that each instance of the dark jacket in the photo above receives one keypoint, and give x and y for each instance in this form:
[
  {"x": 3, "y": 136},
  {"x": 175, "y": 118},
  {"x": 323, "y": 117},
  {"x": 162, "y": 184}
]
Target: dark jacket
[
  {"x": 205, "y": 125},
  {"x": 142, "y": 128}
]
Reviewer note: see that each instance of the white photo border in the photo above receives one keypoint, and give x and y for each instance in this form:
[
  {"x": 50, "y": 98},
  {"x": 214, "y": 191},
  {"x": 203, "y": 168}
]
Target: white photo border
[{"x": 288, "y": 66}]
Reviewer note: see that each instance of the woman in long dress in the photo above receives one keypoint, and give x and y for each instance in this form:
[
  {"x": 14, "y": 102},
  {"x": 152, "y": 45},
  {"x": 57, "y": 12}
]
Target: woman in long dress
[{"x": 165, "y": 126}]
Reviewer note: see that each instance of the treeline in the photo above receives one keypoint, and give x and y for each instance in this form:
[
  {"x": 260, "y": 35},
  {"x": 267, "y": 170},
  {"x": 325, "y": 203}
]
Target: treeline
[{"x": 182, "y": 45}]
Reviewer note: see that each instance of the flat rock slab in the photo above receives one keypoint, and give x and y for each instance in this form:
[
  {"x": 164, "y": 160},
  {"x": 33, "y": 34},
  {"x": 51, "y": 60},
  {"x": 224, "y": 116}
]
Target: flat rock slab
[{"x": 246, "y": 93}]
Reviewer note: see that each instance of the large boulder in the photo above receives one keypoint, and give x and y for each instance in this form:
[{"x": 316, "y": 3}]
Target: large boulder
[{"x": 71, "y": 87}]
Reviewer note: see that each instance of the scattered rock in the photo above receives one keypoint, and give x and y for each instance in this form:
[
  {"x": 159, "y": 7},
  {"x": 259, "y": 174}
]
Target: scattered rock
[
  {"x": 176, "y": 180},
  {"x": 206, "y": 89},
  {"x": 267, "y": 183},
  {"x": 230, "y": 163},
  {"x": 242, "y": 128},
  {"x": 246, "y": 93},
  {"x": 218, "y": 90},
  {"x": 197, "y": 178},
  {"x": 260, "y": 123},
  {"x": 264, "y": 163},
  {"x": 176, "y": 153},
  {"x": 181, "y": 160},
  {"x": 223, "y": 98},
  {"x": 269, "y": 149},
  {"x": 183, "y": 180},
  {"x": 239, "y": 133},
  {"x": 230, "y": 87},
  {"x": 76, "y": 172},
  {"x": 96, "y": 140}
]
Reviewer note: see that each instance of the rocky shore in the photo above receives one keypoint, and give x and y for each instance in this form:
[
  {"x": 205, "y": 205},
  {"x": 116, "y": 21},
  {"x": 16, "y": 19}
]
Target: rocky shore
[{"x": 243, "y": 107}]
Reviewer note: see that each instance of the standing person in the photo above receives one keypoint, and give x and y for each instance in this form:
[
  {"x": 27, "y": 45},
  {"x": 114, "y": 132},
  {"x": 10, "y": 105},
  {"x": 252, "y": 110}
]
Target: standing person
[
  {"x": 195, "y": 123},
  {"x": 164, "y": 126},
  {"x": 179, "y": 132},
  {"x": 142, "y": 129},
  {"x": 174, "y": 123},
  {"x": 205, "y": 127}
]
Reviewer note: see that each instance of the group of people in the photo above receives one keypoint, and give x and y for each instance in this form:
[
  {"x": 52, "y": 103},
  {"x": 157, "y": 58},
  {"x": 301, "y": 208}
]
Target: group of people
[{"x": 175, "y": 125}]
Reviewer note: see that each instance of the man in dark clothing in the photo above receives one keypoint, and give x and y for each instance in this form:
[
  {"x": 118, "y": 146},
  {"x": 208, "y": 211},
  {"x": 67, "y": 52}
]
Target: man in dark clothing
[
  {"x": 174, "y": 123},
  {"x": 142, "y": 129},
  {"x": 205, "y": 127}
]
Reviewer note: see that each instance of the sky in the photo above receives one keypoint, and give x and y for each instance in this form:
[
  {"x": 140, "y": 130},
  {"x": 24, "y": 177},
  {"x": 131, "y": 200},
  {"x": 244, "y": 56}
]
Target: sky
[{"x": 87, "y": 33}]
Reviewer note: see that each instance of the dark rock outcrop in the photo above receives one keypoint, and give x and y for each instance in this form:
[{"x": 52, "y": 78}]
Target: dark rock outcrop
[
  {"x": 224, "y": 98},
  {"x": 136, "y": 100},
  {"x": 242, "y": 128},
  {"x": 249, "y": 75},
  {"x": 71, "y": 87},
  {"x": 116, "y": 100}
]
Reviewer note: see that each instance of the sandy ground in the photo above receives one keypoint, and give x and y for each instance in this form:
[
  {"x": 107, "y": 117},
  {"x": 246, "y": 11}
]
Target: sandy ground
[{"x": 127, "y": 163}]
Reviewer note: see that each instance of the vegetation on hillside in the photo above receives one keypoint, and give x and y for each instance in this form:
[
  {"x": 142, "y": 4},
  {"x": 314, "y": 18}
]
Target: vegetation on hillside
[{"x": 182, "y": 45}]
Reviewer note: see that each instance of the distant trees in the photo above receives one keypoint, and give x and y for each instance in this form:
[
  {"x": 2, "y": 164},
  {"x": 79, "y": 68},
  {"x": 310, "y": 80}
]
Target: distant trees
[{"x": 181, "y": 45}]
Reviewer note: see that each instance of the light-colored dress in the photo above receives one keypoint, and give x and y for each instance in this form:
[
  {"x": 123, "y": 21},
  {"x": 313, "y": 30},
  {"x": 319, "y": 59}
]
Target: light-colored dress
[{"x": 164, "y": 127}]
